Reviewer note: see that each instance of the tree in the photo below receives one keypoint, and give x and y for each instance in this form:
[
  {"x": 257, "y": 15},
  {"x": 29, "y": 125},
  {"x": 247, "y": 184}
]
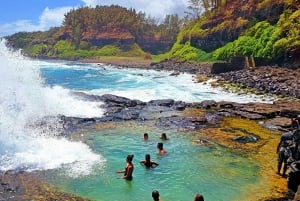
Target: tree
[{"x": 196, "y": 8}]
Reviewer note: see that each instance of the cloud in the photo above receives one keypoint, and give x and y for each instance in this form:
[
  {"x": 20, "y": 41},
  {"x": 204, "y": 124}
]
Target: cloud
[
  {"x": 54, "y": 17},
  {"x": 49, "y": 18},
  {"x": 92, "y": 3},
  {"x": 20, "y": 25},
  {"x": 154, "y": 8},
  {"x": 159, "y": 8}
]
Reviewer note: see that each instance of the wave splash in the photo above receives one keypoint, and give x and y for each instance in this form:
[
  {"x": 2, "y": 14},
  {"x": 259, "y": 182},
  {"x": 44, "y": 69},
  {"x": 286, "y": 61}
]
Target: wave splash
[{"x": 24, "y": 99}]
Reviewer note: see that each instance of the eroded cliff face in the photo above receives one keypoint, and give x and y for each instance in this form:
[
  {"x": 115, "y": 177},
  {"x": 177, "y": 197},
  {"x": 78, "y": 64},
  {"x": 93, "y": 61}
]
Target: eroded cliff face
[
  {"x": 232, "y": 20},
  {"x": 122, "y": 38}
]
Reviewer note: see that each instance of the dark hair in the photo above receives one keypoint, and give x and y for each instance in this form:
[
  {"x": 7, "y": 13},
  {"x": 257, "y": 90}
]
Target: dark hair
[
  {"x": 146, "y": 136},
  {"x": 155, "y": 195},
  {"x": 130, "y": 157},
  {"x": 199, "y": 197},
  {"x": 148, "y": 157},
  {"x": 160, "y": 145}
]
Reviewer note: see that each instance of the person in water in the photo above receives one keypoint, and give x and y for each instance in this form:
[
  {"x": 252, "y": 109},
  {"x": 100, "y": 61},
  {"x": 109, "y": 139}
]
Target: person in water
[
  {"x": 160, "y": 147},
  {"x": 148, "y": 163},
  {"x": 198, "y": 197},
  {"x": 128, "y": 169},
  {"x": 164, "y": 136},
  {"x": 155, "y": 195},
  {"x": 146, "y": 136}
]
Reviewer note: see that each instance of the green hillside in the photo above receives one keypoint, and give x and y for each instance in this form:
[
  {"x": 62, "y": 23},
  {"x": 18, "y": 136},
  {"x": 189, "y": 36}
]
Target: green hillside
[
  {"x": 266, "y": 29},
  {"x": 228, "y": 28},
  {"x": 101, "y": 31}
]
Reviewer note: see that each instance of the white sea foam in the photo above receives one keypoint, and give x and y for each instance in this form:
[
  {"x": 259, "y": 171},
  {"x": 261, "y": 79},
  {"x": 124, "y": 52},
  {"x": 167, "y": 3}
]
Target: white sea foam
[
  {"x": 24, "y": 99},
  {"x": 149, "y": 84},
  {"x": 152, "y": 85}
]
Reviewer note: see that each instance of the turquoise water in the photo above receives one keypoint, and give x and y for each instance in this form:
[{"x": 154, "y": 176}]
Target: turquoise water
[
  {"x": 86, "y": 165},
  {"x": 188, "y": 168},
  {"x": 145, "y": 85}
]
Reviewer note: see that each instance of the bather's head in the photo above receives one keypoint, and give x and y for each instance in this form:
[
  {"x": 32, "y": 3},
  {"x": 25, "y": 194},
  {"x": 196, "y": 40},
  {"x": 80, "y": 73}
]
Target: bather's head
[
  {"x": 147, "y": 157},
  {"x": 160, "y": 146},
  {"x": 129, "y": 158},
  {"x": 146, "y": 136},
  {"x": 155, "y": 195},
  {"x": 198, "y": 197}
]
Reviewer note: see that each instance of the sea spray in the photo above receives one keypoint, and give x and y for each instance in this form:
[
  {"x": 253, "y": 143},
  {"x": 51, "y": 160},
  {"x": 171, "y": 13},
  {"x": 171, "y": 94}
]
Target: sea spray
[{"x": 24, "y": 100}]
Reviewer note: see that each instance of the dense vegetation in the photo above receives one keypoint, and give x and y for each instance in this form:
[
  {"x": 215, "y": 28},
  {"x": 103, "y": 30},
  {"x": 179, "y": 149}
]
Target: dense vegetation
[
  {"x": 275, "y": 37},
  {"x": 101, "y": 31},
  {"x": 219, "y": 30}
]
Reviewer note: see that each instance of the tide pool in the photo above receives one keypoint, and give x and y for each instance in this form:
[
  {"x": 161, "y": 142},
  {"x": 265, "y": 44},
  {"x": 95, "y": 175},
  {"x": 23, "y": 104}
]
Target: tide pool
[
  {"x": 187, "y": 169},
  {"x": 32, "y": 90}
]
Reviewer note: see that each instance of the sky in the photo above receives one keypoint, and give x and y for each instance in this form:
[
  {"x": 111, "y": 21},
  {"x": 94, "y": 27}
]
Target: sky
[{"x": 40, "y": 15}]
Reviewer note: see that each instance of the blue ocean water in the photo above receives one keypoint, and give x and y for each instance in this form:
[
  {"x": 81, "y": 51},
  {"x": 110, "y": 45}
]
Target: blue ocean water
[
  {"x": 34, "y": 89},
  {"x": 145, "y": 85}
]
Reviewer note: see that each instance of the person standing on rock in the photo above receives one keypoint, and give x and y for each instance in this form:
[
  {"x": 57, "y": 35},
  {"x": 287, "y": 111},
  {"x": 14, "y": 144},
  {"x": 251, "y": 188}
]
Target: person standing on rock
[
  {"x": 296, "y": 122},
  {"x": 282, "y": 151}
]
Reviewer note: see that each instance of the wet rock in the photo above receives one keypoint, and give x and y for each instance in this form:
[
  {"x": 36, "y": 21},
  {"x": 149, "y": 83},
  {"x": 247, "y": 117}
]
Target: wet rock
[
  {"x": 246, "y": 139},
  {"x": 175, "y": 73},
  {"x": 215, "y": 118},
  {"x": 180, "y": 105},
  {"x": 23, "y": 186},
  {"x": 267, "y": 79},
  {"x": 183, "y": 123},
  {"x": 127, "y": 114},
  {"x": 123, "y": 109},
  {"x": 225, "y": 104},
  {"x": 119, "y": 101},
  {"x": 277, "y": 123},
  {"x": 182, "y": 66},
  {"x": 207, "y": 104},
  {"x": 162, "y": 102}
]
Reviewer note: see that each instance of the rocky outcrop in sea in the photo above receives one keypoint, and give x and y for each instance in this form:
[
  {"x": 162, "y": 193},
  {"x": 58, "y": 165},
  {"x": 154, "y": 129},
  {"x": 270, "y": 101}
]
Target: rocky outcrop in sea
[{"x": 167, "y": 113}]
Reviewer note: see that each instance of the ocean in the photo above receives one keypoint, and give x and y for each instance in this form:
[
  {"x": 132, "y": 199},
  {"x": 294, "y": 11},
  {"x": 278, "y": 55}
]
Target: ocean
[{"x": 34, "y": 89}]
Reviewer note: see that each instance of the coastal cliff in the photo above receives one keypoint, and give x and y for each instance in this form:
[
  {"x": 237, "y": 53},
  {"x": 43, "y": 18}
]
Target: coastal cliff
[
  {"x": 263, "y": 29},
  {"x": 101, "y": 31}
]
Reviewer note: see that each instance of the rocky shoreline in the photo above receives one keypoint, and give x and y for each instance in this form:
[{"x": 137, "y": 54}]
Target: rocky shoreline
[
  {"x": 275, "y": 80},
  {"x": 266, "y": 79},
  {"x": 201, "y": 117},
  {"x": 205, "y": 117}
]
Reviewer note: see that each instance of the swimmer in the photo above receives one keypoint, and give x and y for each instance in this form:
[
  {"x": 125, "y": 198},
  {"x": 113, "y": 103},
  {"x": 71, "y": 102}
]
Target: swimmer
[
  {"x": 128, "y": 169},
  {"x": 164, "y": 136},
  {"x": 198, "y": 197},
  {"x": 155, "y": 195},
  {"x": 146, "y": 136},
  {"x": 148, "y": 163},
  {"x": 160, "y": 147}
]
